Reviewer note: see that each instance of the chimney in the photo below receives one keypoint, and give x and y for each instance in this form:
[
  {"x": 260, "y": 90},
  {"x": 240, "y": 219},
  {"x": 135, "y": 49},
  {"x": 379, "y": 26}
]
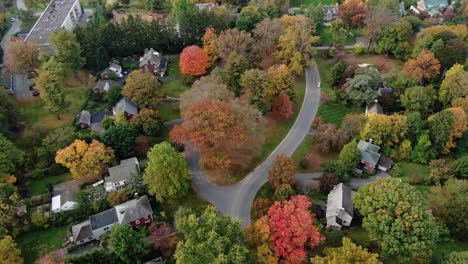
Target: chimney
[
  {"x": 371, "y": 140},
  {"x": 136, "y": 196}
]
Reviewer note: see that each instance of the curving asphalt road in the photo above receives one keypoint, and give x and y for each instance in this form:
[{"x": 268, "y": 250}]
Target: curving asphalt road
[{"x": 236, "y": 200}]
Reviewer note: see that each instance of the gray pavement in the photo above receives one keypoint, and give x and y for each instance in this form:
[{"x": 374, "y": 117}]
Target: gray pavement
[
  {"x": 173, "y": 122},
  {"x": 236, "y": 200},
  {"x": 20, "y": 5},
  {"x": 15, "y": 28}
]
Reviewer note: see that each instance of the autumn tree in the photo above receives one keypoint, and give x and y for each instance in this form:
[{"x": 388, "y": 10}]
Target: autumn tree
[
  {"x": 353, "y": 13},
  {"x": 163, "y": 236},
  {"x": 248, "y": 17},
  {"x": 272, "y": 8},
  {"x": 116, "y": 198},
  {"x": 50, "y": 82},
  {"x": 9, "y": 252},
  {"x": 209, "y": 238},
  {"x": 258, "y": 235},
  {"x": 283, "y": 107},
  {"x": 167, "y": 174},
  {"x": 391, "y": 209},
  {"x": 282, "y": 81},
  {"x": 209, "y": 87},
  {"x": 353, "y": 123},
  {"x": 350, "y": 155},
  {"x": 11, "y": 158},
  {"x": 260, "y": 207},
  {"x": 148, "y": 121},
  {"x": 235, "y": 66},
  {"x": 384, "y": 130},
  {"x": 439, "y": 171},
  {"x": 121, "y": 138},
  {"x": 267, "y": 32},
  {"x": 9, "y": 201},
  {"x": 454, "y": 85},
  {"x": 125, "y": 243},
  {"x": 143, "y": 89},
  {"x": 417, "y": 98},
  {"x": 292, "y": 229},
  {"x": 424, "y": 67},
  {"x": 446, "y": 127},
  {"x": 283, "y": 192},
  {"x": 67, "y": 49},
  {"x": 377, "y": 18},
  {"x": 295, "y": 46},
  {"x": 209, "y": 44},
  {"x": 282, "y": 171},
  {"x": 85, "y": 161},
  {"x": 327, "y": 181},
  {"x": 21, "y": 56},
  {"x": 194, "y": 61},
  {"x": 257, "y": 84},
  {"x": 234, "y": 41},
  {"x": 329, "y": 138},
  {"x": 347, "y": 253}
]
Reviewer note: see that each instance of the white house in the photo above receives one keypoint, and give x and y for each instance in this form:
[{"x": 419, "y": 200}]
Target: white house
[
  {"x": 82, "y": 233},
  {"x": 119, "y": 175},
  {"x": 64, "y": 202},
  {"x": 339, "y": 207}
]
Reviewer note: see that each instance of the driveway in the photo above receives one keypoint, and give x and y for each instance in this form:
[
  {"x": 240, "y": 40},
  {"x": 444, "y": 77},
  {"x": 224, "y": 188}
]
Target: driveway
[
  {"x": 15, "y": 28},
  {"x": 20, "y": 5},
  {"x": 236, "y": 200}
]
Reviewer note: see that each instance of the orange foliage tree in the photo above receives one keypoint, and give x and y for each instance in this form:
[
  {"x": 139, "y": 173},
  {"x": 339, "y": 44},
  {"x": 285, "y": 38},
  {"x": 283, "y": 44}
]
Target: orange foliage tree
[
  {"x": 353, "y": 12},
  {"x": 283, "y": 107},
  {"x": 214, "y": 130},
  {"x": 424, "y": 67},
  {"x": 194, "y": 61},
  {"x": 209, "y": 44},
  {"x": 282, "y": 171}
]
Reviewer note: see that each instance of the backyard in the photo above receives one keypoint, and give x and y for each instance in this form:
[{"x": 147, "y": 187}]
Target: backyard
[
  {"x": 40, "y": 186},
  {"x": 37, "y": 243},
  {"x": 299, "y": 3},
  {"x": 318, "y": 158}
]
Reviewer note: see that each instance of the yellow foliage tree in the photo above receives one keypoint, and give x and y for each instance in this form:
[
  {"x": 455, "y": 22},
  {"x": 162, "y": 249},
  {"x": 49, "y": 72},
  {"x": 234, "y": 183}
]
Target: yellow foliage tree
[
  {"x": 459, "y": 126},
  {"x": 384, "y": 130},
  {"x": 9, "y": 252},
  {"x": 459, "y": 30},
  {"x": 258, "y": 235},
  {"x": 209, "y": 44},
  {"x": 348, "y": 253},
  {"x": 85, "y": 161}
]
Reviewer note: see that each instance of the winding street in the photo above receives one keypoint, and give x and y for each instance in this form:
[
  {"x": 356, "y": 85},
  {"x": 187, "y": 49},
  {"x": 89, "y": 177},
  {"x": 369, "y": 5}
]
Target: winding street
[{"x": 236, "y": 200}]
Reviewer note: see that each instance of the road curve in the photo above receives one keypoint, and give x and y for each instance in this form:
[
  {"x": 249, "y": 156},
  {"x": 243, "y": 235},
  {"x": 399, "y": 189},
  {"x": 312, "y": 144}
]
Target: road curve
[{"x": 236, "y": 200}]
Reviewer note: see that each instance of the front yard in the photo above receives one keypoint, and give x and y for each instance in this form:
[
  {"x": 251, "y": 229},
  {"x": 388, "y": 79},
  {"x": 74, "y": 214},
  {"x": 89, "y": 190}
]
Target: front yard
[{"x": 37, "y": 243}]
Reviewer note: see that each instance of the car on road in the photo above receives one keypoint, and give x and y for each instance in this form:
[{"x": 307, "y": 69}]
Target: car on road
[{"x": 35, "y": 92}]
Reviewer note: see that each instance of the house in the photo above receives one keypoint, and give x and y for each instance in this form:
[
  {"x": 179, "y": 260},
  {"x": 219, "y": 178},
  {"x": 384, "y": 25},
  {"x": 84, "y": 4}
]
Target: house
[
  {"x": 374, "y": 108},
  {"x": 330, "y": 13},
  {"x": 113, "y": 71},
  {"x": 83, "y": 119},
  {"x": 205, "y": 6},
  {"x": 432, "y": 7},
  {"x": 119, "y": 175},
  {"x": 58, "y": 14},
  {"x": 64, "y": 202},
  {"x": 21, "y": 210},
  {"x": 103, "y": 86},
  {"x": 339, "y": 207},
  {"x": 125, "y": 106},
  {"x": 152, "y": 61},
  {"x": 136, "y": 212},
  {"x": 370, "y": 155}
]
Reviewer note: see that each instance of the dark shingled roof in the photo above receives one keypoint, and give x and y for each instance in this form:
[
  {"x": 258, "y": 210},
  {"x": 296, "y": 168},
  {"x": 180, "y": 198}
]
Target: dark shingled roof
[
  {"x": 347, "y": 200},
  {"x": 103, "y": 219},
  {"x": 82, "y": 231},
  {"x": 133, "y": 210}
]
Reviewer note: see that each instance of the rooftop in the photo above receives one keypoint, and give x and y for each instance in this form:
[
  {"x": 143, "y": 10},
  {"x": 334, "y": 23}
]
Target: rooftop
[
  {"x": 81, "y": 231},
  {"x": 123, "y": 171},
  {"x": 126, "y": 106},
  {"x": 51, "y": 19},
  {"x": 103, "y": 219},
  {"x": 133, "y": 210},
  {"x": 340, "y": 197},
  {"x": 369, "y": 152}
]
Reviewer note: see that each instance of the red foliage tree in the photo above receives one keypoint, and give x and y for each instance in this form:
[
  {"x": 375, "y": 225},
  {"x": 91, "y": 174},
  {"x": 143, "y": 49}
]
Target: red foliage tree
[
  {"x": 353, "y": 12},
  {"x": 449, "y": 14},
  {"x": 214, "y": 130},
  {"x": 194, "y": 61},
  {"x": 163, "y": 238},
  {"x": 292, "y": 229},
  {"x": 426, "y": 66},
  {"x": 282, "y": 108}
]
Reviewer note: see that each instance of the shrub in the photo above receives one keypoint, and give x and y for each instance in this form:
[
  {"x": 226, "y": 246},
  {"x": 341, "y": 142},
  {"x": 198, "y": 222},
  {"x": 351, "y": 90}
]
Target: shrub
[
  {"x": 359, "y": 49},
  {"x": 417, "y": 179},
  {"x": 460, "y": 167}
]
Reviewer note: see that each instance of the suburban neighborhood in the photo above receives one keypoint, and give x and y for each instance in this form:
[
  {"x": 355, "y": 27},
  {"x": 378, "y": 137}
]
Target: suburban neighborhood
[{"x": 189, "y": 131}]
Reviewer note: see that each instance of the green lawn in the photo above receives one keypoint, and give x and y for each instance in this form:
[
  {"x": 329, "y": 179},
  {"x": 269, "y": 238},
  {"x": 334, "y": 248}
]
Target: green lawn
[
  {"x": 324, "y": 67},
  {"x": 299, "y": 3},
  {"x": 334, "y": 113},
  {"x": 173, "y": 69},
  {"x": 38, "y": 243},
  {"x": 302, "y": 150},
  {"x": 175, "y": 87},
  {"x": 409, "y": 169},
  {"x": 39, "y": 186},
  {"x": 169, "y": 112},
  {"x": 326, "y": 37}
]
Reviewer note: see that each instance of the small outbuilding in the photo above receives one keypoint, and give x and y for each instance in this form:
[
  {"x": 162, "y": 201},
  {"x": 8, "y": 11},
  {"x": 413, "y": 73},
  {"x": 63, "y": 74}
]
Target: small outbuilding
[
  {"x": 65, "y": 201},
  {"x": 83, "y": 119},
  {"x": 113, "y": 71},
  {"x": 103, "y": 86}
]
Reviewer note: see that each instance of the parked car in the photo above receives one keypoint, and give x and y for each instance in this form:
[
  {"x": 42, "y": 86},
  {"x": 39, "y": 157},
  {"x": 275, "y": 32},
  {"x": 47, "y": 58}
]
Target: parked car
[
  {"x": 32, "y": 87},
  {"x": 13, "y": 19},
  {"x": 35, "y": 92}
]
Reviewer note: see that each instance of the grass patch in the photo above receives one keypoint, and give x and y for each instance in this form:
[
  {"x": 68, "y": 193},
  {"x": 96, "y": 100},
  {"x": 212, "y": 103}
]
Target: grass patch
[
  {"x": 334, "y": 113},
  {"x": 39, "y": 186},
  {"x": 169, "y": 112},
  {"x": 299, "y": 3},
  {"x": 358, "y": 235},
  {"x": 326, "y": 37},
  {"x": 37, "y": 243},
  {"x": 175, "y": 87},
  {"x": 266, "y": 191},
  {"x": 302, "y": 150},
  {"x": 307, "y": 146},
  {"x": 173, "y": 69},
  {"x": 324, "y": 67},
  {"x": 410, "y": 169}
]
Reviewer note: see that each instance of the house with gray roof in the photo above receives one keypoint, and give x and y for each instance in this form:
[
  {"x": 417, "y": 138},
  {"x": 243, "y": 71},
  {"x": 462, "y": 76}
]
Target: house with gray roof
[
  {"x": 125, "y": 106},
  {"x": 340, "y": 209},
  {"x": 82, "y": 233},
  {"x": 330, "y": 13},
  {"x": 374, "y": 108},
  {"x": 153, "y": 62},
  {"x": 136, "y": 212},
  {"x": 119, "y": 175},
  {"x": 113, "y": 71},
  {"x": 65, "y": 201},
  {"x": 83, "y": 119},
  {"x": 432, "y": 7},
  {"x": 103, "y": 86},
  {"x": 370, "y": 156}
]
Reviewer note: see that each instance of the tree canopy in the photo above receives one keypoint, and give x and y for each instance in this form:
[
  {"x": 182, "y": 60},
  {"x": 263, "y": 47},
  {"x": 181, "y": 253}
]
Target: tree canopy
[
  {"x": 348, "y": 253},
  {"x": 11, "y": 158},
  {"x": 143, "y": 89},
  {"x": 126, "y": 244}
]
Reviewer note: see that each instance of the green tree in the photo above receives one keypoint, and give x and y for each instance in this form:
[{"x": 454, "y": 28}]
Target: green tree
[
  {"x": 167, "y": 174},
  {"x": 417, "y": 99},
  {"x": 122, "y": 139},
  {"x": 143, "y": 89},
  {"x": 284, "y": 192},
  {"x": 50, "y": 82},
  {"x": 136, "y": 184},
  {"x": 125, "y": 243},
  {"x": 423, "y": 151},
  {"x": 11, "y": 158},
  {"x": 209, "y": 238},
  {"x": 316, "y": 14},
  {"x": 257, "y": 84},
  {"x": 440, "y": 126},
  {"x": 395, "y": 214},
  {"x": 93, "y": 43},
  {"x": 114, "y": 94},
  {"x": 350, "y": 155},
  {"x": 9, "y": 252},
  {"x": 248, "y": 17},
  {"x": 348, "y": 253},
  {"x": 149, "y": 121},
  {"x": 414, "y": 126},
  {"x": 55, "y": 140},
  {"x": 336, "y": 73},
  {"x": 9, "y": 200},
  {"x": 460, "y": 167},
  {"x": 454, "y": 85},
  {"x": 181, "y": 8},
  {"x": 456, "y": 257},
  {"x": 152, "y": 5},
  {"x": 338, "y": 168},
  {"x": 394, "y": 39},
  {"x": 362, "y": 88},
  {"x": 235, "y": 66},
  {"x": 67, "y": 49},
  {"x": 8, "y": 113}
]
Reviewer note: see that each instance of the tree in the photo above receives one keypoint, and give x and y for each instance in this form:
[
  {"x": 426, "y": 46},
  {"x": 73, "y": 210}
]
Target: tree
[
  {"x": 55, "y": 140},
  {"x": 93, "y": 43},
  {"x": 258, "y": 86},
  {"x": 149, "y": 121},
  {"x": 282, "y": 171},
  {"x": 209, "y": 44},
  {"x": 52, "y": 87},
  {"x": 209, "y": 87},
  {"x": 336, "y": 73},
  {"x": 394, "y": 209},
  {"x": 122, "y": 139},
  {"x": 394, "y": 39},
  {"x": 414, "y": 126},
  {"x": 350, "y": 155},
  {"x": 460, "y": 167},
  {"x": 167, "y": 174},
  {"x": 327, "y": 181},
  {"x": 214, "y": 129},
  {"x": 194, "y": 61},
  {"x": 209, "y": 238},
  {"x": 163, "y": 238},
  {"x": 283, "y": 107},
  {"x": 456, "y": 257},
  {"x": 85, "y": 161},
  {"x": 362, "y": 88},
  {"x": 353, "y": 123},
  {"x": 284, "y": 192},
  {"x": 282, "y": 81},
  {"x": 353, "y": 13},
  {"x": 21, "y": 56},
  {"x": 348, "y": 253},
  {"x": 292, "y": 229},
  {"x": 384, "y": 130},
  {"x": 417, "y": 99},
  {"x": 446, "y": 127},
  {"x": 118, "y": 197},
  {"x": 114, "y": 94},
  {"x": 260, "y": 207},
  {"x": 67, "y": 49},
  {"x": 11, "y": 158},
  {"x": 125, "y": 243},
  {"x": 377, "y": 18},
  {"x": 152, "y": 5},
  {"x": 235, "y": 66},
  {"x": 449, "y": 204},
  {"x": 143, "y": 89},
  {"x": 248, "y": 17},
  {"x": 424, "y": 67},
  {"x": 439, "y": 171},
  {"x": 8, "y": 114},
  {"x": 454, "y": 85},
  {"x": 234, "y": 41},
  {"x": 316, "y": 14},
  {"x": 181, "y": 8},
  {"x": 9, "y": 252},
  {"x": 272, "y": 8},
  {"x": 328, "y": 138},
  {"x": 451, "y": 52},
  {"x": 9, "y": 201},
  {"x": 267, "y": 32},
  {"x": 424, "y": 150},
  {"x": 295, "y": 46}
]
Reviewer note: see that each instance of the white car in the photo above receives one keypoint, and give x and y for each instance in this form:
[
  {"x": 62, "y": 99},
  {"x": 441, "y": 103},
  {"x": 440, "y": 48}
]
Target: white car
[
  {"x": 318, "y": 84},
  {"x": 13, "y": 19}
]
